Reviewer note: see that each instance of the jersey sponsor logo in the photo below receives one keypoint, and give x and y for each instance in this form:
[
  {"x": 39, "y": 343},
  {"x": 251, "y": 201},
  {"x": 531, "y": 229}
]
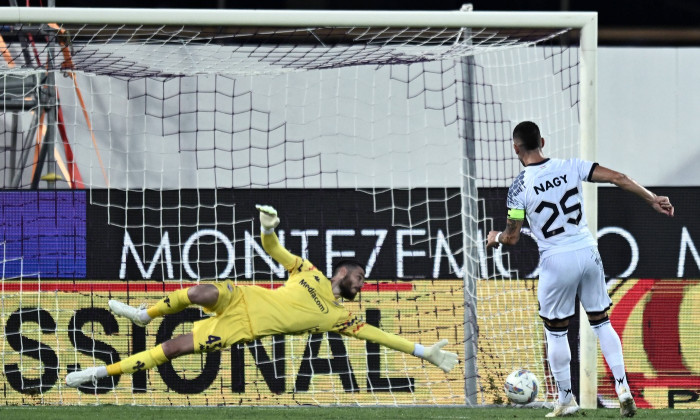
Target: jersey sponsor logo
[
  {"x": 314, "y": 296},
  {"x": 554, "y": 182}
]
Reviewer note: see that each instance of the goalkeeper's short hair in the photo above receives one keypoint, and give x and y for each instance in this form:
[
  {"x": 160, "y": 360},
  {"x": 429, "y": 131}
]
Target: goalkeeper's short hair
[{"x": 349, "y": 263}]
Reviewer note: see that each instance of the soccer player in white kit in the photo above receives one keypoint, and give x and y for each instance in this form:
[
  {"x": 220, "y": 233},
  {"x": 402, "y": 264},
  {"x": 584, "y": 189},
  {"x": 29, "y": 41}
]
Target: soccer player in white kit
[{"x": 548, "y": 192}]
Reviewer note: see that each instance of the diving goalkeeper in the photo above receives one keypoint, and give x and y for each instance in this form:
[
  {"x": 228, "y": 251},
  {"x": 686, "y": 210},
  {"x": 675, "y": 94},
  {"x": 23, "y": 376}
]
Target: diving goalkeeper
[{"x": 308, "y": 302}]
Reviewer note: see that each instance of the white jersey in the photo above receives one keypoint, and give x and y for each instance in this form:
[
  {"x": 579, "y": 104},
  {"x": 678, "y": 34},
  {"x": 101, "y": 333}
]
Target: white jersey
[{"x": 549, "y": 194}]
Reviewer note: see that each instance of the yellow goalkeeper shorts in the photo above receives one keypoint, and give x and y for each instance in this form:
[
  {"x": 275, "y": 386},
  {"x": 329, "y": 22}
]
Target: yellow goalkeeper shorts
[{"x": 230, "y": 324}]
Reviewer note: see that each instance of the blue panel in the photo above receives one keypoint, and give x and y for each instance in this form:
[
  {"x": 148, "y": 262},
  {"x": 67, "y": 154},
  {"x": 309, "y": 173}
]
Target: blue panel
[{"x": 44, "y": 233}]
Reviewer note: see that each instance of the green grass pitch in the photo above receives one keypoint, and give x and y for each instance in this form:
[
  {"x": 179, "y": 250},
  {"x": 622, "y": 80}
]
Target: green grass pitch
[{"x": 110, "y": 412}]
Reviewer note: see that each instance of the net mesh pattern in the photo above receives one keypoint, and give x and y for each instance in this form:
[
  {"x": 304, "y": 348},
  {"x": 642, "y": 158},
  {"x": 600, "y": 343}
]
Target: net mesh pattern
[{"x": 390, "y": 145}]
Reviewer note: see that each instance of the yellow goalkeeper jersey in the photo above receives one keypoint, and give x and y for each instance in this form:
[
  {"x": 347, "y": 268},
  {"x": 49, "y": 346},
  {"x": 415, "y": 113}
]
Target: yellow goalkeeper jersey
[{"x": 306, "y": 304}]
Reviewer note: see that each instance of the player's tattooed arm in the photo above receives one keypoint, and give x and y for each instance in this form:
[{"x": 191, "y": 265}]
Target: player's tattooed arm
[
  {"x": 510, "y": 236},
  {"x": 661, "y": 204}
]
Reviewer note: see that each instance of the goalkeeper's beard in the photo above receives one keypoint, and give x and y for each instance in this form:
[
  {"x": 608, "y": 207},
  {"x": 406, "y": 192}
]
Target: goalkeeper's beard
[{"x": 346, "y": 289}]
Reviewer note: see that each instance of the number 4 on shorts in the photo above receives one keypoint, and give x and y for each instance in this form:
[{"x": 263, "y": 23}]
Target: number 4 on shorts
[{"x": 213, "y": 339}]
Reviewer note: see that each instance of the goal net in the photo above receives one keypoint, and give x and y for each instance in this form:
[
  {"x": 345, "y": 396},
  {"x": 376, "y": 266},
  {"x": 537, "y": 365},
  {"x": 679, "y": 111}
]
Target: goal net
[{"x": 135, "y": 149}]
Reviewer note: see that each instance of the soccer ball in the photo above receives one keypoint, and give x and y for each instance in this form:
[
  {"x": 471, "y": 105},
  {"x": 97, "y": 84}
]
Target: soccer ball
[{"x": 521, "y": 386}]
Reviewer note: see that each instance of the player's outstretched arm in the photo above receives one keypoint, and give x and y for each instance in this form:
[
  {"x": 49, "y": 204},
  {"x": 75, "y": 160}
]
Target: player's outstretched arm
[
  {"x": 659, "y": 203},
  {"x": 271, "y": 244},
  {"x": 268, "y": 218},
  {"x": 434, "y": 354}
]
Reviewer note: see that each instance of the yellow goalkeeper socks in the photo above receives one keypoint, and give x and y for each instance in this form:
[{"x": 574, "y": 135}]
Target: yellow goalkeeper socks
[
  {"x": 171, "y": 304},
  {"x": 144, "y": 360}
]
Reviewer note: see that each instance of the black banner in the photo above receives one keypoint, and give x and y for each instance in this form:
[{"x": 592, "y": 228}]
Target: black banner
[
  {"x": 634, "y": 240},
  {"x": 214, "y": 233},
  {"x": 667, "y": 247},
  {"x": 400, "y": 234}
]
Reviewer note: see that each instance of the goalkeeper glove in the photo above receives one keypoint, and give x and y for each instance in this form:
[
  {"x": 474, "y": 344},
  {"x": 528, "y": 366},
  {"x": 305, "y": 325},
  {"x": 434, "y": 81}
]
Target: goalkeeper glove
[
  {"x": 445, "y": 360},
  {"x": 268, "y": 218}
]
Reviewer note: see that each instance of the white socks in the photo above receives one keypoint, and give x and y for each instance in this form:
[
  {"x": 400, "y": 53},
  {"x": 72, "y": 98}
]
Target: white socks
[
  {"x": 611, "y": 347},
  {"x": 101, "y": 372},
  {"x": 143, "y": 316},
  {"x": 418, "y": 350},
  {"x": 559, "y": 356}
]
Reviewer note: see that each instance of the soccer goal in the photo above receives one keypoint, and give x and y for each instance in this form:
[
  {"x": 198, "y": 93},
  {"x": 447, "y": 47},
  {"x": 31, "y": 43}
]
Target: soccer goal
[{"x": 137, "y": 142}]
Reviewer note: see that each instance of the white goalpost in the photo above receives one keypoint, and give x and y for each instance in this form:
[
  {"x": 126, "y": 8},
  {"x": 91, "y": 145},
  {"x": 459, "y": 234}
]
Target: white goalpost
[{"x": 138, "y": 141}]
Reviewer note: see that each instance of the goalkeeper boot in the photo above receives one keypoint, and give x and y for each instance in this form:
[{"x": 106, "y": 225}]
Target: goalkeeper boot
[
  {"x": 80, "y": 377},
  {"x": 134, "y": 314},
  {"x": 627, "y": 406},
  {"x": 563, "y": 410}
]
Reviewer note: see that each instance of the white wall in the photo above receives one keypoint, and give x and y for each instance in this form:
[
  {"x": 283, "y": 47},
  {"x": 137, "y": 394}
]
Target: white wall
[
  {"x": 649, "y": 104},
  {"x": 313, "y": 130}
]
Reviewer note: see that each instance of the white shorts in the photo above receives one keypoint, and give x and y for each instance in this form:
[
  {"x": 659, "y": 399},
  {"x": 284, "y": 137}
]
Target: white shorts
[{"x": 565, "y": 275}]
